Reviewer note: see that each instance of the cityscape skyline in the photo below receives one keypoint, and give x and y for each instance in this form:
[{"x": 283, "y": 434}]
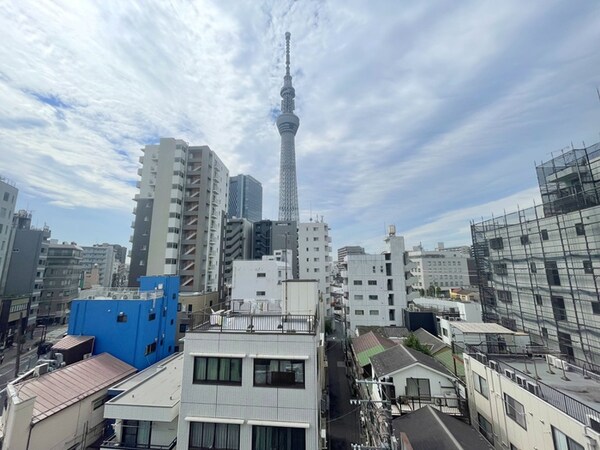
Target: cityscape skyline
[{"x": 387, "y": 136}]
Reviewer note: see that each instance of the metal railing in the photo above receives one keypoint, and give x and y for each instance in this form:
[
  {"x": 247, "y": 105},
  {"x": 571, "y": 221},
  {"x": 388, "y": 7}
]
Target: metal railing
[
  {"x": 112, "y": 442},
  {"x": 563, "y": 402},
  {"x": 453, "y": 406},
  {"x": 227, "y": 321}
]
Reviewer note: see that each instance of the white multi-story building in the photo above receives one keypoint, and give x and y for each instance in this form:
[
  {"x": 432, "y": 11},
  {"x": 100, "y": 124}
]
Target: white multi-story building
[
  {"x": 466, "y": 311},
  {"x": 180, "y": 215},
  {"x": 254, "y": 381},
  {"x": 8, "y": 200},
  {"x": 314, "y": 255},
  {"x": 262, "y": 279},
  {"x": 443, "y": 268},
  {"x": 102, "y": 256},
  {"x": 532, "y": 403},
  {"x": 377, "y": 287}
]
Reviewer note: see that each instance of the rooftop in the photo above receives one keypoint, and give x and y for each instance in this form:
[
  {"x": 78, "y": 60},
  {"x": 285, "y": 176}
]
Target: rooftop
[
  {"x": 428, "y": 428},
  {"x": 106, "y": 293},
  {"x": 387, "y": 332},
  {"x": 62, "y": 388},
  {"x": 481, "y": 328},
  {"x": 157, "y": 387},
  {"x": 400, "y": 357},
  {"x": 368, "y": 345},
  {"x": 70, "y": 341},
  {"x": 248, "y": 322},
  {"x": 573, "y": 391},
  {"x": 434, "y": 343}
]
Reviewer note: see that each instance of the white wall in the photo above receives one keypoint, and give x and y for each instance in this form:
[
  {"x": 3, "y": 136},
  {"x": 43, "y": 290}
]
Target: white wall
[
  {"x": 444, "y": 268},
  {"x": 246, "y": 284},
  {"x": 469, "y": 312},
  {"x": 314, "y": 255}
]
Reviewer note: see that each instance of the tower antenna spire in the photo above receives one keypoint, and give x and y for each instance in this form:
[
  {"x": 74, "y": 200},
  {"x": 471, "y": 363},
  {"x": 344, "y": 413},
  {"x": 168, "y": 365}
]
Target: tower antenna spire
[{"x": 287, "y": 53}]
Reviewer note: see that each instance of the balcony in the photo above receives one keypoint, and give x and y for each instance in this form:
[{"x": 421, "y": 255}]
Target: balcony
[
  {"x": 242, "y": 322},
  {"x": 112, "y": 442}
]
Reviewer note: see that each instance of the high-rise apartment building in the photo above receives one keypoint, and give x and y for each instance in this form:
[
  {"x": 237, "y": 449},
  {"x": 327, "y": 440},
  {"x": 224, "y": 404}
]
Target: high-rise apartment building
[
  {"x": 349, "y": 250},
  {"x": 314, "y": 255},
  {"x": 180, "y": 215},
  {"x": 25, "y": 274},
  {"x": 61, "y": 281},
  {"x": 287, "y": 124},
  {"x": 538, "y": 268},
  {"x": 101, "y": 256},
  {"x": 377, "y": 287},
  {"x": 443, "y": 268},
  {"x": 271, "y": 235},
  {"x": 8, "y": 200},
  {"x": 238, "y": 245},
  {"x": 245, "y": 198}
]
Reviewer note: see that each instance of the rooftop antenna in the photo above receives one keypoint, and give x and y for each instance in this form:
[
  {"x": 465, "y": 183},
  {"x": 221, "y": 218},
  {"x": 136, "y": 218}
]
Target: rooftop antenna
[{"x": 310, "y": 207}]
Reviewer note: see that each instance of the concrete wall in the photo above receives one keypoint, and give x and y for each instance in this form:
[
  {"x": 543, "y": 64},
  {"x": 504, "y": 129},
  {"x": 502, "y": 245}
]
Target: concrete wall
[
  {"x": 246, "y": 402},
  {"x": 246, "y": 283}
]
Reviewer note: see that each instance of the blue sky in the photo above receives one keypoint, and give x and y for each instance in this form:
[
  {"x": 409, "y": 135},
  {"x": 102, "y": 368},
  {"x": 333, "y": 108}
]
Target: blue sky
[{"x": 422, "y": 114}]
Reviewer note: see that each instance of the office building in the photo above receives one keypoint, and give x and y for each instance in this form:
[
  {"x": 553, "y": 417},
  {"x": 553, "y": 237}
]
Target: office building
[
  {"x": 377, "y": 287},
  {"x": 103, "y": 257},
  {"x": 27, "y": 265},
  {"x": 136, "y": 326},
  {"x": 314, "y": 256},
  {"x": 538, "y": 268},
  {"x": 287, "y": 124},
  {"x": 8, "y": 200},
  {"x": 180, "y": 215},
  {"x": 238, "y": 245},
  {"x": 245, "y": 198},
  {"x": 61, "y": 281},
  {"x": 271, "y": 235},
  {"x": 349, "y": 250},
  {"x": 443, "y": 268},
  {"x": 260, "y": 280}
]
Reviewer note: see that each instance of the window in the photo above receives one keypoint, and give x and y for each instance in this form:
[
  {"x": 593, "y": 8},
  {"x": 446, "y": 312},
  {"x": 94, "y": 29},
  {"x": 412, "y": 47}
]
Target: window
[
  {"x": 357, "y": 282},
  {"x": 358, "y": 297},
  {"x": 485, "y": 428},
  {"x": 504, "y": 296},
  {"x": 392, "y": 314},
  {"x": 150, "y": 348},
  {"x": 372, "y": 282},
  {"x": 261, "y": 275},
  {"x": 524, "y": 239},
  {"x": 214, "y": 436},
  {"x": 183, "y": 327},
  {"x": 515, "y": 410},
  {"x": 6, "y": 196},
  {"x": 374, "y": 312},
  {"x": 279, "y": 373},
  {"x": 151, "y": 316},
  {"x": 359, "y": 312},
  {"x": 372, "y": 297},
  {"x": 538, "y": 300},
  {"x": 587, "y": 267},
  {"x": 533, "y": 267},
  {"x": 552, "y": 273},
  {"x": 596, "y": 307},
  {"x": 500, "y": 269},
  {"x": 268, "y": 438},
  {"x": 579, "y": 229},
  {"x": 545, "y": 333},
  {"x": 544, "y": 234},
  {"x": 99, "y": 402},
  {"x": 122, "y": 317},
  {"x": 564, "y": 442},
  {"x": 213, "y": 370},
  {"x": 136, "y": 433},
  {"x": 418, "y": 387},
  {"x": 558, "y": 308},
  {"x": 260, "y": 293},
  {"x": 496, "y": 243},
  {"x": 481, "y": 385}
]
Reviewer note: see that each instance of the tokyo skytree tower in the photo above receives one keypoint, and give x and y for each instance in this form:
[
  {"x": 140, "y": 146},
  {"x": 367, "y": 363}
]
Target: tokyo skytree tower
[{"x": 288, "y": 124}]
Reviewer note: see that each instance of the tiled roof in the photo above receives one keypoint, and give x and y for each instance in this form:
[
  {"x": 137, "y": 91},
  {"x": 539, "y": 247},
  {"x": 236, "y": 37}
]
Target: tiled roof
[
  {"x": 433, "y": 342},
  {"x": 368, "y": 345},
  {"x": 388, "y": 332},
  {"x": 57, "y": 390},
  {"x": 400, "y": 357},
  {"x": 427, "y": 428}
]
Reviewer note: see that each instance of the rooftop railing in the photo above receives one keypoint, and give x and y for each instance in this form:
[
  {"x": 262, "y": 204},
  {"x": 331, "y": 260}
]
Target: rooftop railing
[
  {"x": 105, "y": 293},
  {"x": 236, "y": 322}
]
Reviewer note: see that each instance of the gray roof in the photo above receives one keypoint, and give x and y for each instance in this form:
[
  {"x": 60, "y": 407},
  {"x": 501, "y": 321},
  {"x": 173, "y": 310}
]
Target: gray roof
[
  {"x": 386, "y": 332},
  {"x": 399, "y": 357},
  {"x": 427, "y": 428},
  {"x": 434, "y": 343}
]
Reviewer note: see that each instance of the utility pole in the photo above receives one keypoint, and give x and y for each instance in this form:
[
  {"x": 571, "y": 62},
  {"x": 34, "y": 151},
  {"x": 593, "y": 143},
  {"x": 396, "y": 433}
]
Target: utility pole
[{"x": 386, "y": 403}]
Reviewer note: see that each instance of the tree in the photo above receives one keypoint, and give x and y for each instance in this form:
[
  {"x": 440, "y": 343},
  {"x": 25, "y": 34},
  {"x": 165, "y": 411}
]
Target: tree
[
  {"x": 438, "y": 291},
  {"x": 413, "y": 342},
  {"x": 422, "y": 292}
]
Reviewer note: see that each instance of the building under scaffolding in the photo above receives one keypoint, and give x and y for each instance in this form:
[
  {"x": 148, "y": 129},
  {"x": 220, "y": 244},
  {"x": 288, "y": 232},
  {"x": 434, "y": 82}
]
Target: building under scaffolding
[{"x": 538, "y": 268}]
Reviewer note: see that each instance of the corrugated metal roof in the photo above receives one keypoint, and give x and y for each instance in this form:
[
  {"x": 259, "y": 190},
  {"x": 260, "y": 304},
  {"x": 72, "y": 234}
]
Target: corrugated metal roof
[
  {"x": 69, "y": 342},
  {"x": 57, "y": 390},
  {"x": 400, "y": 357},
  {"x": 483, "y": 328},
  {"x": 435, "y": 343}
]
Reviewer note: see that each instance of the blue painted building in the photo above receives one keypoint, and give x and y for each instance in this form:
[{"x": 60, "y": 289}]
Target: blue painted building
[{"x": 137, "y": 327}]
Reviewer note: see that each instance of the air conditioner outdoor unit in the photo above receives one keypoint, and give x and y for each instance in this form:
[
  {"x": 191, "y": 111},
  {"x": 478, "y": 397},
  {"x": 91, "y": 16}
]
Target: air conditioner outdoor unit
[
  {"x": 493, "y": 365},
  {"x": 509, "y": 374},
  {"x": 550, "y": 359},
  {"x": 439, "y": 401},
  {"x": 521, "y": 381},
  {"x": 533, "y": 388}
]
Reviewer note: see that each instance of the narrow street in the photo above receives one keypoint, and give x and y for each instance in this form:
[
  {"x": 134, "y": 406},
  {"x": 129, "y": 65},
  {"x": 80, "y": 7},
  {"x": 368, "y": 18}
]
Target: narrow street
[{"x": 344, "y": 423}]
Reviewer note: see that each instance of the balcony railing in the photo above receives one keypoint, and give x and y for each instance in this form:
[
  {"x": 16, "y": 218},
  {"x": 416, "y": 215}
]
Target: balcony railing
[
  {"x": 112, "y": 442},
  {"x": 233, "y": 322}
]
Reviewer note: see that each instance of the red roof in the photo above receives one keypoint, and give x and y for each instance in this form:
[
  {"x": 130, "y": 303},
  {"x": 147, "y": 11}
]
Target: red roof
[
  {"x": 369, "y": 341},
  {"x": 69, "y": 342},
  {"x": 57, "y": 390}
]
